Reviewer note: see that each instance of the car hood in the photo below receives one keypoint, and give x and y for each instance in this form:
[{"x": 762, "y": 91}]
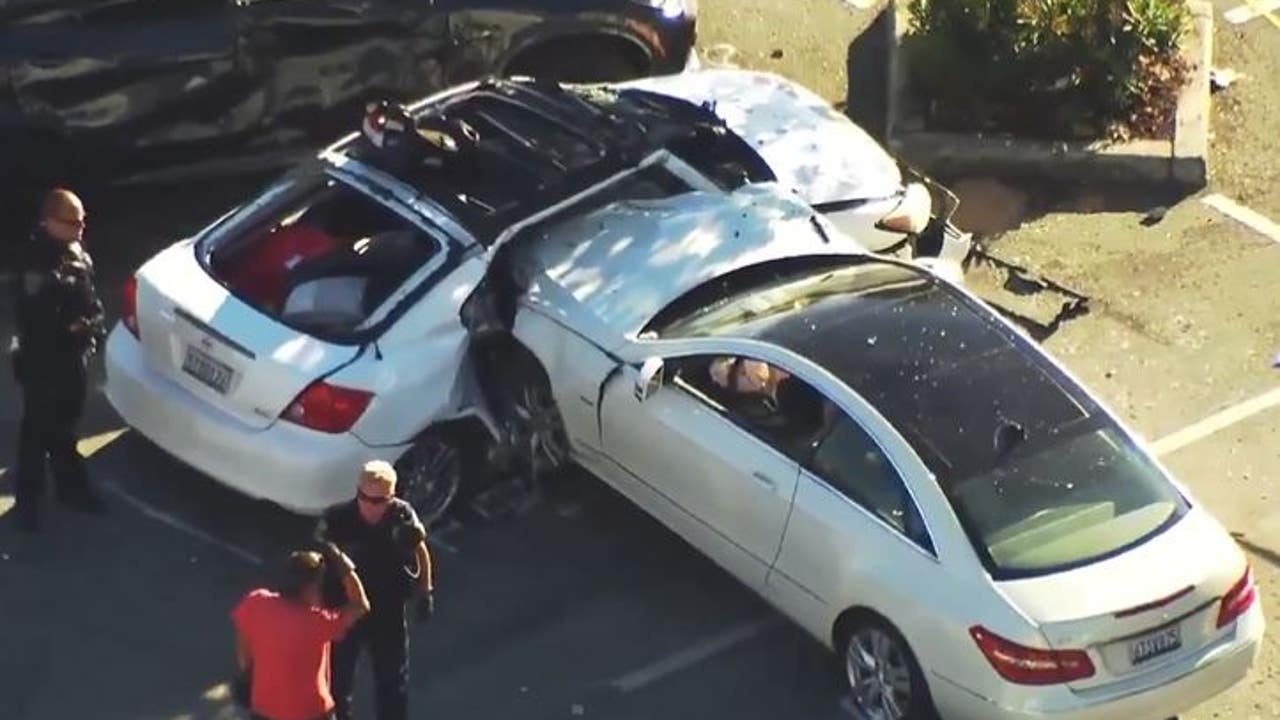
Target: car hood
[
  {"x": 625, "y": 262},
  {"x": 811, "y": 148}
]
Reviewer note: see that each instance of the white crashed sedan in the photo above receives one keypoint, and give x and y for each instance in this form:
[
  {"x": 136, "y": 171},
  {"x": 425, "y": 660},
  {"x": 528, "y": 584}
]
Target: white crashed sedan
[
  {"x": 908, "y": 477},
  {"x": 319, "y": 325}
]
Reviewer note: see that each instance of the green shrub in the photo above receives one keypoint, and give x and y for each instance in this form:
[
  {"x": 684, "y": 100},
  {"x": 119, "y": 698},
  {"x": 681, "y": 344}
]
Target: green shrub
[{"x": 1048, "y": 68}]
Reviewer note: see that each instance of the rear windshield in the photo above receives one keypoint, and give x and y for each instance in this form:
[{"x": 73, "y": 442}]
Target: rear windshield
[
  {"x": 318, "y": 255},
  {"x": 1086, "y": 497}
]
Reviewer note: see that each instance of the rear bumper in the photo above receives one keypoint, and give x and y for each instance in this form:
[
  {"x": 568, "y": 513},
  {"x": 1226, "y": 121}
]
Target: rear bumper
[
  {"x": 299, "y": 469},
  {"x": 1192, "y": 683}
]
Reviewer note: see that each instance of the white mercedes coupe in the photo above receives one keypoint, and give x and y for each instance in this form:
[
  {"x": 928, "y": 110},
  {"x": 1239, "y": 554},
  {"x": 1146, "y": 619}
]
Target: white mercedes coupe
[{"x": 623, "y": 278}]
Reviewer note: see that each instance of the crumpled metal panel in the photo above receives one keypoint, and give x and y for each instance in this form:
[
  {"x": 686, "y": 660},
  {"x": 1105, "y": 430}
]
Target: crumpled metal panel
[{"x": 139, "y": 76}]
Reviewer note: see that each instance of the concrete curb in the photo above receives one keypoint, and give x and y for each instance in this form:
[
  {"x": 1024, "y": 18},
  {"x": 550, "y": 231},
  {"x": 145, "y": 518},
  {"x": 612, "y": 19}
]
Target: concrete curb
[{"x": 1183, "y": 160}]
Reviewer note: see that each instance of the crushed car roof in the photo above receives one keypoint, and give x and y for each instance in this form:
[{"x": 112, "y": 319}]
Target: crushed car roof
[
  {"x": 626, "y": 261},
  {"x": 530, "y": 145},
  {"x": 810, "y": 146}
]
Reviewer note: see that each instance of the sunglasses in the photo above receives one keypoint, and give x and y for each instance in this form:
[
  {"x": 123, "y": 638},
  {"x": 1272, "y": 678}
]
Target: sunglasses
[{"x": 373, "y": 499}]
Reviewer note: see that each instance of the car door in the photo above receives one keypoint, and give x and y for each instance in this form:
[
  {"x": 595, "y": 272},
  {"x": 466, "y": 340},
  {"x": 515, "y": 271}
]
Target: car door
[
  {"x": 857, "y": 535},
  {"x": 322, "y": 60},
  {"x": 706, "y": 470}
]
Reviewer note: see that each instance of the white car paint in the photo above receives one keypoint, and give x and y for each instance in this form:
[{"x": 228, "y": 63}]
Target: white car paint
[
  {"x": 596, "y": 258},
  {"x": 813, "y": 149},
  {"x": 813, "y": 553}
]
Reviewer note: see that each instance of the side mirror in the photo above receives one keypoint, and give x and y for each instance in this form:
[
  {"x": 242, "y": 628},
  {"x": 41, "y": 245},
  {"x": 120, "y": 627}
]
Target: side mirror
[{"x": 650, "y": 379}]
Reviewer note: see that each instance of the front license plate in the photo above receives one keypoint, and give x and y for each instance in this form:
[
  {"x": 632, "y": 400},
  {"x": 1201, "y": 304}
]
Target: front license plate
[
  {"x": 1160, "y": 642},
  {"x": 199, "y": 365}
]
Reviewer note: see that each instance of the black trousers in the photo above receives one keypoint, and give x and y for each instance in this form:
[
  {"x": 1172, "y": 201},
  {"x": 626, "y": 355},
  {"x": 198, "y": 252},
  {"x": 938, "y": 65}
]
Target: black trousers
[
  {"x": 385, "y": 631},
  {"x": 53, "y": 400}
]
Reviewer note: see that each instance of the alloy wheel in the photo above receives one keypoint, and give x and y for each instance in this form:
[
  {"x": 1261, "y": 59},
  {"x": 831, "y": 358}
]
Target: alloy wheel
[
  {"x": 429, "y": 475},
  {"x": 879, "y": 674},
  {"x": 542, "y": 437}
]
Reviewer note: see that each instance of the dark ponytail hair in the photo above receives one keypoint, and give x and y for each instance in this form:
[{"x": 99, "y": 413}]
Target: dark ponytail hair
[{"x": 301, "y": 569}]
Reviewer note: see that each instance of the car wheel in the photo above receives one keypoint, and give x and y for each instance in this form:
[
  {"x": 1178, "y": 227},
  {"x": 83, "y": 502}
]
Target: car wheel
[
  {"x": 884, "y": 678},
  {"x": 534, "y": 439},
  {"x": 428, "y": 476},
  {"x": 541, "y": 443}
]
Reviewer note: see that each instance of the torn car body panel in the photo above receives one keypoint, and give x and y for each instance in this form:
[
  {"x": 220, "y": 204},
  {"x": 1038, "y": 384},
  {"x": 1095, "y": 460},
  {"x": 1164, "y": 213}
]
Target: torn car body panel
[
  {"x": 812, "y": 148},
  {"x": 675, "y": 245},
  {"x": 130, "y": 78}
]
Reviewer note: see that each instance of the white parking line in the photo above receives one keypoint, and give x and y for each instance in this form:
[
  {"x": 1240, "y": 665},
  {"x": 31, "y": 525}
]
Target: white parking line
[
  {"x": 1249, "y": 11},
  {"x": 692, "y": 655},
  {"x": 1236, "y": 211},
  {"x": 179, "y": 525},
  {"x": 1218, "y": 421}
]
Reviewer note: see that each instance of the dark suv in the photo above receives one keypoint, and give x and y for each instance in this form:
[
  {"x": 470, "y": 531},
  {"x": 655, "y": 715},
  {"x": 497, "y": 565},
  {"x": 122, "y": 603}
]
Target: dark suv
[{"x": 126, "y": 90}]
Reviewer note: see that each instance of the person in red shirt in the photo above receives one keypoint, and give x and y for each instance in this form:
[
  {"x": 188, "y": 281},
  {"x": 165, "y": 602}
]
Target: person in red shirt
[{"x": 283, "y": 637}]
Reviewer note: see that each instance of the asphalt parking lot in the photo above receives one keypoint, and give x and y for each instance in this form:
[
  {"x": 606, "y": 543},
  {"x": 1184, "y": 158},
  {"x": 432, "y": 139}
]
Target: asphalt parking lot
[{"x": 587, "y": 608}]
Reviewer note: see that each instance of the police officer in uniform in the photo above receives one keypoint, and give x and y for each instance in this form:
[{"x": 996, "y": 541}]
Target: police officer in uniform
[
  {"x": 382, "y": 535},
  {"x": 59, "y": 327}
]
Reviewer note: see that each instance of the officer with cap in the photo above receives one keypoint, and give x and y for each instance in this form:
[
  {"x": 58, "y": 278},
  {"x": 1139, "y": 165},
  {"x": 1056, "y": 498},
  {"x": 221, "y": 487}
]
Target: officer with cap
[
  {"x": 59, "y": 328},
  {"x": 382, "y": 535}
]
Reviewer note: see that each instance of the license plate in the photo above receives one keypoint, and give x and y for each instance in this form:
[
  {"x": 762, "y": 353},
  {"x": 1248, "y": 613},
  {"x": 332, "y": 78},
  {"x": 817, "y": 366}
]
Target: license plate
[
  {"x": 1160, "y": 642},
  {"x": 207, "y": 370}
]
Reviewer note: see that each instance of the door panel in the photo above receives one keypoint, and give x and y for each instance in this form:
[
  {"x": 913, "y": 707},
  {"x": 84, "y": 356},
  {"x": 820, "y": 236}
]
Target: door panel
[
  {"x": 836, "y": 555},
  {"x": 719, "y": 486}
]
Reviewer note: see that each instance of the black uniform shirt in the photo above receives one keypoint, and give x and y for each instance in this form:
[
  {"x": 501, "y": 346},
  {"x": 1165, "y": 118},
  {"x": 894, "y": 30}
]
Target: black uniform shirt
[
  {"x": 55, "y": 290},
  {"x": 383, "y": 553}
]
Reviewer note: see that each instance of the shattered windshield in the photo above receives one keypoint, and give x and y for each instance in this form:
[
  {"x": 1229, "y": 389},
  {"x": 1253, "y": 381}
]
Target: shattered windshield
[{"x": 1083, "y": 498}]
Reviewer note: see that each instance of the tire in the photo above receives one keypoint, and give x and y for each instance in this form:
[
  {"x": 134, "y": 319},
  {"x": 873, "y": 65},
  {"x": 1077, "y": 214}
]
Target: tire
[
  {"x": 581, "y": 60},
  {"x": 429, "y": 474},
  {"x": 533, "y": 427},
  {"x": 883, "y": 677}
]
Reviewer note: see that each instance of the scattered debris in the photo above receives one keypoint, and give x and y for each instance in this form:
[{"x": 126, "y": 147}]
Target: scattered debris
[
  {"x": 1223, "y": 78},
  {"x": 1154, "y": 216},
  {"x": 776, "y": 54},
  {"x": 721, "y": 55},
  {"x": 1033, "y": 301}
]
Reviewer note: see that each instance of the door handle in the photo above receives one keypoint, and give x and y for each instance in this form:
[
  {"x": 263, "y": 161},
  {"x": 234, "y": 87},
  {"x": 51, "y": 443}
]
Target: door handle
[{"x": 764, "y": 479}]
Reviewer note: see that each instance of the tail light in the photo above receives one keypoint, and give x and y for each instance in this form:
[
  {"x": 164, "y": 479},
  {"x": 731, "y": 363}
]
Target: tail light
[
  {"x": 328, "y": 408},
  {"x": 1238, "y": 599},
  {"x": 912, "y": 214},
  {"x": 1031, "y": 666},
  {"x": 129, "y": 313}
]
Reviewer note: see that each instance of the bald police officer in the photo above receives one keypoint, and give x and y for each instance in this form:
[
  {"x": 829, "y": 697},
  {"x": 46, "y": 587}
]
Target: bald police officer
[
  {"x": 382, "y": 535},
  {"x": 60, "y": 326}
]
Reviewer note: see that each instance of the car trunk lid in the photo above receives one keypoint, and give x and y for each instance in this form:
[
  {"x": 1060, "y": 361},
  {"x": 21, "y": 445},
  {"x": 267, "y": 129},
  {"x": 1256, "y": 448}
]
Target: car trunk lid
[
  {"x": 201, "y": 337},
  {"x": 1140, "y": 610}
]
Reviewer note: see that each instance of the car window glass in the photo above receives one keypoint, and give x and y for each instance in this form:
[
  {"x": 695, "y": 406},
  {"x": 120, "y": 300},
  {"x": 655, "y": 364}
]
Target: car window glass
[
  {"x": 766, "y": 400},
  {"x": 851, "y": 461}
]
